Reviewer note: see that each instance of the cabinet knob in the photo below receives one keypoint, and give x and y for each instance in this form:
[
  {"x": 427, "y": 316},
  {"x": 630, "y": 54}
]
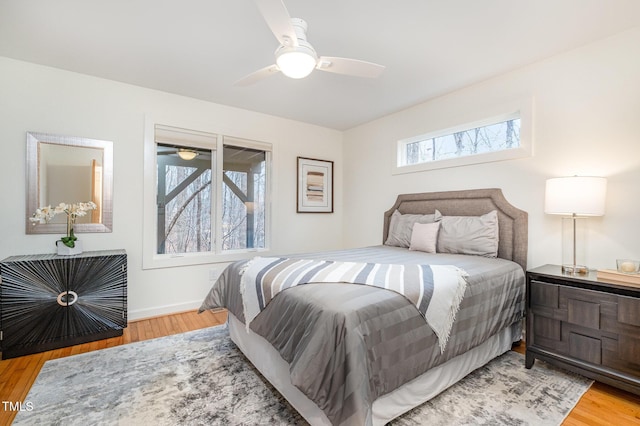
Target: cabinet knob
[{"x": 67, "y": 298}]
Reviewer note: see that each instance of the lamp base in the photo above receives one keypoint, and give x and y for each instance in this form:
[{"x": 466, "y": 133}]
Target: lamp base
[{"x": 575, "y": 269}]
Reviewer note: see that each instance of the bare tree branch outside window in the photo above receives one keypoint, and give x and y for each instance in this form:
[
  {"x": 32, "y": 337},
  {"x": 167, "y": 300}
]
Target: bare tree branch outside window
[{"x": 490, "y": 138}]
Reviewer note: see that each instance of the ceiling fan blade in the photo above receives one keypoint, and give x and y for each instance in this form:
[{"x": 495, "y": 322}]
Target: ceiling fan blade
[
  {"x": 278, "y": 19},
  {"x": 347, "y": 66},
  {"x": 256, "y": 76}
]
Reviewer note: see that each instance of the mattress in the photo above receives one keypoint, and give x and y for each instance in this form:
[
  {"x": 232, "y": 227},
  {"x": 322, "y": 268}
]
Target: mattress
[{"x": 348, "y": 345}]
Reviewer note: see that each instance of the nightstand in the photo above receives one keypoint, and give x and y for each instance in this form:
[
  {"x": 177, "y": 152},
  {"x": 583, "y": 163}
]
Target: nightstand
[{"x": 584, "y": 325}]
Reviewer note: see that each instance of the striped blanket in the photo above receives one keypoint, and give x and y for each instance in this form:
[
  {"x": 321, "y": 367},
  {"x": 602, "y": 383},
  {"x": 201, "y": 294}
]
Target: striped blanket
[{"x": 435, "y": 290}]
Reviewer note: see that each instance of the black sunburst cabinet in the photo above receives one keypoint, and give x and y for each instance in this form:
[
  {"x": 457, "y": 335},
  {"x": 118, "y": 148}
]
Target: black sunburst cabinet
[{"x": 49, "y": 301}]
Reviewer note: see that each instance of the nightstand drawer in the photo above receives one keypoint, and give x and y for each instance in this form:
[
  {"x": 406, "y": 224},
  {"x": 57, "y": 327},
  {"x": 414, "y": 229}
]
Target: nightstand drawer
[
  {"x": 547, "y": 328},
  {"x": 629, "y": 350},
  {"x": 585, "y": 348},
  {"x": 586, "y": 314},
  {"x": 543, "y": 294},
  {"x": 629, "y": 310}
]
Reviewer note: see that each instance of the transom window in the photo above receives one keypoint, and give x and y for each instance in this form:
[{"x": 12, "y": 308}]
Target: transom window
[{"x": 492, "y": 139}]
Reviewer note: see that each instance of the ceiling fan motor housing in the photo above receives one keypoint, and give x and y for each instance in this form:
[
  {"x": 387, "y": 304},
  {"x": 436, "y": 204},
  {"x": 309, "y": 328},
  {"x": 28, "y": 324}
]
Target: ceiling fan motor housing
[{"x": 297, "y": 61}]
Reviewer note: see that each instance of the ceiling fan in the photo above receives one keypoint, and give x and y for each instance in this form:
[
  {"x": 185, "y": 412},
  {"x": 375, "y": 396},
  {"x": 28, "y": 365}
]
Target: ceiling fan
[{"x": 295, "y": 57}]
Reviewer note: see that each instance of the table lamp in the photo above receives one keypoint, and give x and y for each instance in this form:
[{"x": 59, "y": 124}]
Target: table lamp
[{"x": 574, "y": 197}]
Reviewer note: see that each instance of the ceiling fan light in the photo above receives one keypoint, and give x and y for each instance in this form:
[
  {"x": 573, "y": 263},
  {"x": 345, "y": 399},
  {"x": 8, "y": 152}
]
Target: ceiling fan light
[
  {"x": 187, "y": 154},
  {"x": 296, "y": 62}
]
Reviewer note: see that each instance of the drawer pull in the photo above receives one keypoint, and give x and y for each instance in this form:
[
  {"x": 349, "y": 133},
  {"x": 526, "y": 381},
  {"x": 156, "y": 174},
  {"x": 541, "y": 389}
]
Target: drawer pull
[{"x": 64, "y": 298}]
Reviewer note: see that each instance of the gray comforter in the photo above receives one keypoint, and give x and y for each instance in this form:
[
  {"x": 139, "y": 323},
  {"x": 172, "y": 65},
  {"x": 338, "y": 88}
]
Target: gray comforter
[{"x": 349, "y": 344}]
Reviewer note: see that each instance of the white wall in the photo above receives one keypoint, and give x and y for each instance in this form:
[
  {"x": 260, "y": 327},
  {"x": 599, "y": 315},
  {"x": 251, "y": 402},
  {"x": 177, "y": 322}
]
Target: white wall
[
  {"x": 42, "y": 99},
  {"x": 586, "y": 122}
]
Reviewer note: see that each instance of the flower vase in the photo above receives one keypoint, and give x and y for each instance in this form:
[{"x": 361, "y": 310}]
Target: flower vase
[{"x": 64, "y": 250}]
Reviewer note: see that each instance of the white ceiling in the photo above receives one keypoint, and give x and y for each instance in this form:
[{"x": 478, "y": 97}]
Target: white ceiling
[{"x": 199, "y": 48}]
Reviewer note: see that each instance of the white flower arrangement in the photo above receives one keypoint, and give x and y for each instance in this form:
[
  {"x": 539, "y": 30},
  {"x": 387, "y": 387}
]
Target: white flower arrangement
[{"x": 73, "y": 211}]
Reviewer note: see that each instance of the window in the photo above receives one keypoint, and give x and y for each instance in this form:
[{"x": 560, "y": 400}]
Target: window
[
  {"x": 243, "y": 198},
  {"x": 210, "y": 196},
  {"x": 184, "y": 199},
  {"x": 493, "y": 139}
]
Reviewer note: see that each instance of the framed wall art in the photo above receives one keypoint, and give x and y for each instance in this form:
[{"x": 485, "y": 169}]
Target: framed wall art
[{"x": 315, "y": 186}]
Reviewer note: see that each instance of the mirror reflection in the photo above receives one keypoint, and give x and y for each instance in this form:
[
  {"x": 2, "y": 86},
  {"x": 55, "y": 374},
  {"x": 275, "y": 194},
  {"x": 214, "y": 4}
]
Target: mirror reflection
[
  {"x": 68, "y": 174},
  {"x": 64, "y": 169}
]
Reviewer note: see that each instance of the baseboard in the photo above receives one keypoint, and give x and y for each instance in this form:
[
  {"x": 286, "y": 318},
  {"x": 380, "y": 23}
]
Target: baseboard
[{"x": 139, "y": 314}]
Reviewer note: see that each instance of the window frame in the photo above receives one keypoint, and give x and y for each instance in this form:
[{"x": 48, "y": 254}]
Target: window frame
[
  {"x": 521, "y": 111},
  {"x": 150, "y": 258}
]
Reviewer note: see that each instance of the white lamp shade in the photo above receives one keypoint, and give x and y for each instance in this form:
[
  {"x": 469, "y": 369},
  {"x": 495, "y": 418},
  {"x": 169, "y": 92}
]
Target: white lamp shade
[{"x": 579, "y": 195}]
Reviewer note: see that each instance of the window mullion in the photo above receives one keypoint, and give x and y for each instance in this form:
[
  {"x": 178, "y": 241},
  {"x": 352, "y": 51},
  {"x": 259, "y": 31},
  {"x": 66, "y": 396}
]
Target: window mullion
[{"x": 216, "y": 199}]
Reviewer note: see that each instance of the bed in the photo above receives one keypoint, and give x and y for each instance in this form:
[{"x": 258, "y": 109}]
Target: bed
[{"x": 357, "y": 354}]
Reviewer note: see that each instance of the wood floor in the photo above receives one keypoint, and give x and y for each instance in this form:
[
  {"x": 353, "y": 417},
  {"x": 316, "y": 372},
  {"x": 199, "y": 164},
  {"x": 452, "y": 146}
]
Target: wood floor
[{"x": 601, "y": 405}]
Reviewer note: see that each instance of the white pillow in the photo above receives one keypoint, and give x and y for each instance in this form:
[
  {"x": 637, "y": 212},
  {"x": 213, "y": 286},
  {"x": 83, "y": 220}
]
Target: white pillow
[{"x": 424, "y": 237}]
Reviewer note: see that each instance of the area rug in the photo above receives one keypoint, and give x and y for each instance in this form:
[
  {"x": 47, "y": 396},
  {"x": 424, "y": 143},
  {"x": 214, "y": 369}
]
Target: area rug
[{"x": 201, "y": 378}]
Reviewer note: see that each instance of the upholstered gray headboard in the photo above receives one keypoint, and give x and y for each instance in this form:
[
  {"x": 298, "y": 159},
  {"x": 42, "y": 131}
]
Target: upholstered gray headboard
[{"x": 512, "y": 222}]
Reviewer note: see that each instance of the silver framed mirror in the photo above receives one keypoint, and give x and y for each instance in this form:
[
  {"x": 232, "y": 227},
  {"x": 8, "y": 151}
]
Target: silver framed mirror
[{"x": 69, "y": 169}]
